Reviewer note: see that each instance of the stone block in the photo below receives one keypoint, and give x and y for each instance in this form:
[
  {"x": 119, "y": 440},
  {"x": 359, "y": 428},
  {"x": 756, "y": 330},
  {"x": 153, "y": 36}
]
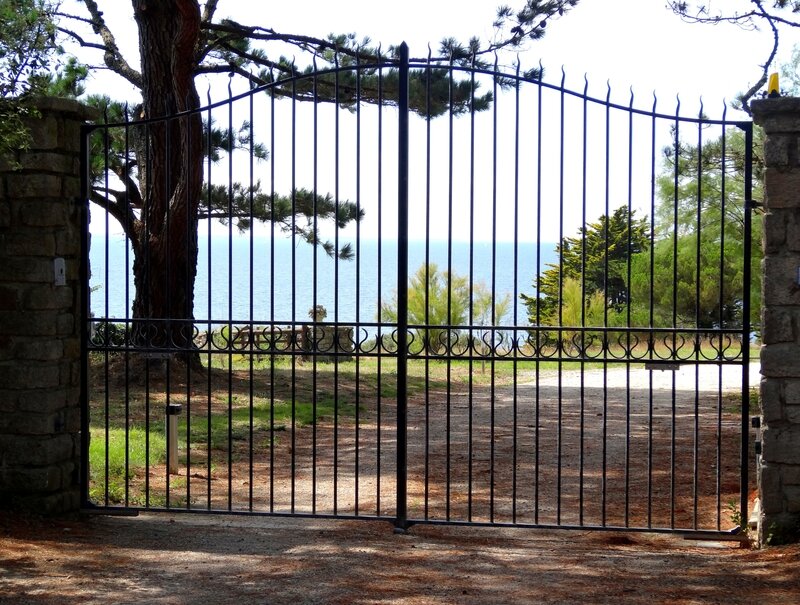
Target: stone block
[
  {"x": 777, "y": 115},
  {"x": 44, "y": 401},
  {"x": 780, "y": 150},
  {"x": 33, "y": 186},
  {"x": 769, "y": 487},
  {"x": 32, "y": 479},
  {"x": 24, "y": 450},
  {"x": 49, "y": 297},
  {"x": 5, "y": 209},
  {"x": 71, "y": 187},
  {"x": 775, "y": 229},
  {"x": 67, "y": 242},
  {"x": 71, "y": 348},
  {"x": 43, "y": 161},
  {"x": 780, "y": 285},
  {"x": 777, "y": 325},
  {"x": 21, "y": 423},
  {"x": 791, "y": 393},
  {"x": 73, "y": 269},
  {"x": 44, "y": 214},
  {"x": 781, "y": 444},
  {"x": 9, "y": 298},
  {"x": 44, "y": 132},
  {"x": 71, "y": 136},
  {"x": 792, "y": 495},
  {"x": 771, "y": 401},
  {"x": 30, "y": 375},
  {"x": 28, "y": 243},
  {"x": 39, "y": 350},
  {"x": 72, "y": 420},
  {"x": 792, "y": 413},
  {"x": 790, "y": 474},
  {"x": 55, "y": 503},
  {"x": 27, "y": 270},
  {"x": 9, "y": 401},
  {"x": 65, "y": 324},
  {"x": 780, "y": 360},
  {"x": 782, "y": 188},
  {"x": 21, "y": 323}
]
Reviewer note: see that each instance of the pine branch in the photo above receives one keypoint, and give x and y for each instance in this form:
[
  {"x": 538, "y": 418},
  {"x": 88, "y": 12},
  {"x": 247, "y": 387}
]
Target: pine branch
[
  {"x": 75, "y": 36},
  {"x": 112, "y": 56}
]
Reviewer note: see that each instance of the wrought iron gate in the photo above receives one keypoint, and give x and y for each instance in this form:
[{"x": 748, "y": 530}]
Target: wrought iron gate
[{"x": 532, "y": 307}]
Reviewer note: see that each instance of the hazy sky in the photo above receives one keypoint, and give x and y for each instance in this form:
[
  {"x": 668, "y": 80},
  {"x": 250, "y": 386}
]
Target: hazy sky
[{"x": 634, "y": 45}]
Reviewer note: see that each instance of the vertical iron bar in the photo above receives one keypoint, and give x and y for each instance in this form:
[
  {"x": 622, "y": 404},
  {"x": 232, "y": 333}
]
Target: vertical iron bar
[
  {"x": 449, "y": 346},
  {"x": 336, "y": 347},
  {"x": 493, "y": 319},
  {"x": 698, "y": 340},
  {"x": 210, "y": 329},
  {"x": 402, "y": 289},
  {"x": 723, "y": 210},
  {"x": 85, "y": 311},
  {"x": 272, "y": 342},
  {"x": 229, "y": 342},
  {"x": 651, "y": 338},
  {"x": 746, "y": 277},
  {"x": 293, "y": 331},
  {"x": 582, "y": 430},
  {"x": 106, "y": 377},
  {"x": 127, "y": 228},
  {"x": 675, "y": 202},
  {"x": 604, "y": 476},
  {"x": 426, "y": 341},
  {"x": 357, "y": 333},
  {"x": 628, "y": 319},
  {"x": 252, "y": 340},
  {"x": 315, "y": 330},
  {"x": 559, "y": 436},
  {"x": 168, "y": 339},
  {"x": 471, "y": 349},
  {"x": 148, "y": 338},
  {"x": 188, "y": 310},
  {"x": 538, "y": 351},
  {"x": 515, "y": 298},
  {"x": 380, "y": 347}
]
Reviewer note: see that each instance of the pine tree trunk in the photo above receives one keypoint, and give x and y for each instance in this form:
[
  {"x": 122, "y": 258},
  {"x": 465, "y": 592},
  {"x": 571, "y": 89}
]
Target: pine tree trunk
[{"x": 170, "y": 175}]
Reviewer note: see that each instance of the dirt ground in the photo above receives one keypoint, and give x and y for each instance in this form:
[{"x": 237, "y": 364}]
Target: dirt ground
[{"x": 181, "y": 559}]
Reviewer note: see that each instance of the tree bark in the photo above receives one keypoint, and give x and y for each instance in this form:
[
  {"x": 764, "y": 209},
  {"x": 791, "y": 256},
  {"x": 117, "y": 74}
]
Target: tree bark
[{"x": 170, "y": 174}]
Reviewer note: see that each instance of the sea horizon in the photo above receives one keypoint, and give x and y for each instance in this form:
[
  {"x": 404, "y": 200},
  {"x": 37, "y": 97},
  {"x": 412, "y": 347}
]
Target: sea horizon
[{"x": 240, "y": 287}]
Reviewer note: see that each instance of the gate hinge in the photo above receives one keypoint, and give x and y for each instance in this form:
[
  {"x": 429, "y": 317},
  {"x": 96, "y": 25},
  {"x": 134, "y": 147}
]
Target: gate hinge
[{"x": 753, "y": 204}]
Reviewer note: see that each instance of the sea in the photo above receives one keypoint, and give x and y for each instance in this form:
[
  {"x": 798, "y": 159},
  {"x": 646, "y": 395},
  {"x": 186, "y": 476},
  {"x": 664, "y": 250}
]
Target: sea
[{"x": 257, "y": 279}]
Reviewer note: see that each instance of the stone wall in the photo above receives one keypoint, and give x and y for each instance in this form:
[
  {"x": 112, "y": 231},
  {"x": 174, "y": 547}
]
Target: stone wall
[
  {"x": 40, "y": 348},
  {"x": 779, "y": 465}
]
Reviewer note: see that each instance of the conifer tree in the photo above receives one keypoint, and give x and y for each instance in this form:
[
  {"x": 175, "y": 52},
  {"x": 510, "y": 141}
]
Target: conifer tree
[{"x": 180, "y": 40}]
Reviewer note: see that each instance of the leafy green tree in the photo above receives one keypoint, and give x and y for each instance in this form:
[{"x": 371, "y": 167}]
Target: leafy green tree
[
  {"x": 439, "y": 298},
  {"x": 179, "y": 40},
  {"x": 700, "y": 238},
  {"x": 597, "y": 259}
]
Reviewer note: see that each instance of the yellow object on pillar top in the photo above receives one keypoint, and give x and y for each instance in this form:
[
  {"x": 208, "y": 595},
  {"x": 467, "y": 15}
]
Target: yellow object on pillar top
[{"x": 773, "y": 86}]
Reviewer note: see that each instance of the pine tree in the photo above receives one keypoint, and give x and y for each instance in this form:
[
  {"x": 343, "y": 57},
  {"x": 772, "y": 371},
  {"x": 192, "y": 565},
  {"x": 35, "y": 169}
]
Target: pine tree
[
  {"x": 597, "y": 259},
  {"x": 180, "y": 40}
]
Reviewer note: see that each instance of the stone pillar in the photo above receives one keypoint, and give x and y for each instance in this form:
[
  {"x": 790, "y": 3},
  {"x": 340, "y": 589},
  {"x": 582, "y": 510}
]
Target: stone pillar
[
  {"x": 779, "y": 466},
  {"x": 40, "y": 314}
]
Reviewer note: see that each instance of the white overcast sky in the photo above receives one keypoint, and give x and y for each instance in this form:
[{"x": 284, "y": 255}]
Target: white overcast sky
[
  {"x": 634, "y": 45},
  {"x": 637, "y": 43}
]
